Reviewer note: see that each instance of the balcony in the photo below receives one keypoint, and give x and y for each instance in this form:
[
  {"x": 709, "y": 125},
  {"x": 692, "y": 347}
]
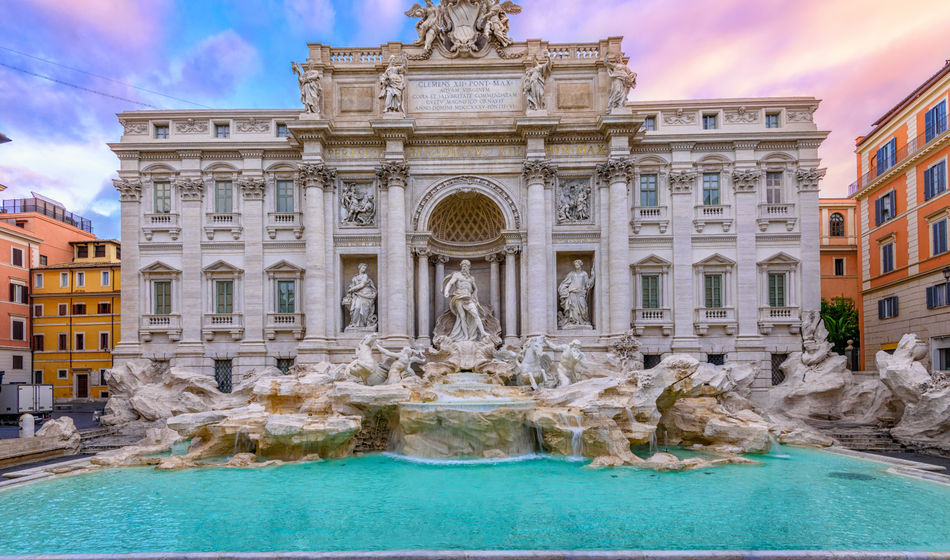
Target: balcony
[
  {"x": 168, "y": 325},
  {"x": 780, "y": 213},
  {"x": 652, "y": 318},
  {"x": 706, "y": 317},
  {"x": 904, "y": 153},
  {"x": 291, "y": 221},
  {"x": 230, "y": 323},
  {"x": 789, "y": 317},
  {"x": 713, "y": 214},
  {"x": 650, "y": 215},
  {"x": 165, "y": 222},
  {"x": 223, "y": 222},
  {"x": 284, "y": 322}
]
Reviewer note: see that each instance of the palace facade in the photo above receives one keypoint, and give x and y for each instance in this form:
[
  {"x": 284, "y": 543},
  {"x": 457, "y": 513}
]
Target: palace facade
[{"x": 695, "y": 222}]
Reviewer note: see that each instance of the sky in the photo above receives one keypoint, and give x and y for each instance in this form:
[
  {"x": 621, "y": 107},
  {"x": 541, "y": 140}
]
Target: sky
[{"x": 860, "y": 57}]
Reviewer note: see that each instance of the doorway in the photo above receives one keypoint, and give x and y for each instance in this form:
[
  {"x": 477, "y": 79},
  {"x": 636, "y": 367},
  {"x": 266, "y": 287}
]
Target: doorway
[{"x": 82, "y": 385}]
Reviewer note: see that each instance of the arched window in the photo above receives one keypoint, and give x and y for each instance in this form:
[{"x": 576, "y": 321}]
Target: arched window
[{"x": 837, "y": 225}]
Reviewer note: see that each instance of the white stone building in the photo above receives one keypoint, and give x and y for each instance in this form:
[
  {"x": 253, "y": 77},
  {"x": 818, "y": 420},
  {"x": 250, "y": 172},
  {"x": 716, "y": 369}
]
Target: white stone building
[{"x": 242, "y": 229}]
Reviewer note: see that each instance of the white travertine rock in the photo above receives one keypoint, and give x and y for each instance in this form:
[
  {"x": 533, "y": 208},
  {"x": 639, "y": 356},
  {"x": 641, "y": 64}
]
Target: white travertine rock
[
  {"x": 926, "y": 423},
  {"x": 62, "y": 430},
  {"x": 902, "y": 371}
]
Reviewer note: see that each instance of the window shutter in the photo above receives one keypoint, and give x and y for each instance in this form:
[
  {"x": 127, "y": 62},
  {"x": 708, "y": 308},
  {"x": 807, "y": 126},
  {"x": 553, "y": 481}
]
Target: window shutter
[
  {"x": 939, "y": 180},
  {"x": 880, "y": 309},
  {"x": 893, "y": 205},
  {"x": 12, "y": 292},
  {"x": 877, "y": 212},
  {"x": 931, "y": 292},
  {"x": 894, "y": 311},
  {"x": 928, "y": 184}
]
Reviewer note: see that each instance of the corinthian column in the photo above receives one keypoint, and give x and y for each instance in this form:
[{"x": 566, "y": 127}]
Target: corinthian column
[
  {"x": 440, "y": 261},
  {"x": 253, "y": 352},
  {"x": 190, "y": 351},
  {"x": 745, "y": 184},
  {"x": 536, "y": 174},
  {"x": 422, "y": 291},
  {"x": 393, "y": 176},
  {"x": 315, "y": 178},
  {"x": 617, "y": 172},
  {"x": 130, "y": 196},
  {"x": 511, "y": 295}
]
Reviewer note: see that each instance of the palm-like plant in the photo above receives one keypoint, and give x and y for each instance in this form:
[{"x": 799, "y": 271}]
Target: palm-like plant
[{"x": 841, "y": 320}]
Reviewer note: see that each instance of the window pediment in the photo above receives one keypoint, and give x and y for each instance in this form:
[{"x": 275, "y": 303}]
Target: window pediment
[
  {"x": 653, "y": 261},
  {"x": 715, "y": 260},
  {"x": 780, "y": 258},
  {"x": 159, "y": 268},
  {"x": 222, "y": 267}
]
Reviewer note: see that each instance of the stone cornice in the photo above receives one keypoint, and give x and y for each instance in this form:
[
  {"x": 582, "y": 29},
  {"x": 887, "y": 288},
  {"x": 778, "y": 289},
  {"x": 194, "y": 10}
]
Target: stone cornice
[
  {"x": 536, "y": 127},
  {"x": 393, "y": 129}
]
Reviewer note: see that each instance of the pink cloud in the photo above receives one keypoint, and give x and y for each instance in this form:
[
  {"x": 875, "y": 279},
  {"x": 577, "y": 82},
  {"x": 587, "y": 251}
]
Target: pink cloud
[{"x": 130, "y": 24}]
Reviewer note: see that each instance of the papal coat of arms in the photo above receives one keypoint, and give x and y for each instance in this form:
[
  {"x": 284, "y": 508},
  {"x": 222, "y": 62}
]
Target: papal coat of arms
[{"x": 461, "y": 28}]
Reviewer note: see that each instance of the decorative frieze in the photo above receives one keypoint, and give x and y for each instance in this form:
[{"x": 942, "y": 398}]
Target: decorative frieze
[
  {"x": 191, "y": 126},
  {"x": 741, "y": 115},
  {"x": 129, "y": 190},
  {"x": 799, "y": 115},
  {"x": 679, "y": 117},
  {"x": 252, "y": 126},
  {"x": 357, "y": 205},
  {"x": 134, "y": 127},
  {"x": 574, "y": 202}
]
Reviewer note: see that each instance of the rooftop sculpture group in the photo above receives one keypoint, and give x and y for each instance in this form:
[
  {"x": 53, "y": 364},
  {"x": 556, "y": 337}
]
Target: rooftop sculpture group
[{"x": 463, "y": 28}]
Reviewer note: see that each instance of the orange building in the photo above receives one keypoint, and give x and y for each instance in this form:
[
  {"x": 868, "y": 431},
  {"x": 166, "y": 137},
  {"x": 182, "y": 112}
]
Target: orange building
[
  {"x": 18, "y": 252},
  {"x": 904, "y": 208},
  {"x": 840, "y": 268}
]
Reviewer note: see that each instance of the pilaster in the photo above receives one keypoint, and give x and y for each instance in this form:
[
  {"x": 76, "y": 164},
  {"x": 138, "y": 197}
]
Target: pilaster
[
  {"x": 190, "y": 351},
  {"x": 617, "y": 172},
  {"x": 130, "y": 199},
  {"x": 536, "y": 173},
  {"x": 252, "y": 352},
  {"x": 682, "y": 183}
]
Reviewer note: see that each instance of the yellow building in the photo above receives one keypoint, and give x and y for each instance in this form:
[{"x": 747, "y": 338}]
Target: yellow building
[{"x": 76, "y": 320}]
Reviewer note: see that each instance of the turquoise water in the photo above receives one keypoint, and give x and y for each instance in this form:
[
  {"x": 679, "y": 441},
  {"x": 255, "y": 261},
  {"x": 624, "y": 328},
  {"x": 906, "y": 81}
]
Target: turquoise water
[{"x": 811, "y": 500}]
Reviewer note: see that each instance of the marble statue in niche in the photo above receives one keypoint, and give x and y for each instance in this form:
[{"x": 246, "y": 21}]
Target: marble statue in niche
[
  {"x": 533, "y": 84},
  {"x": 462, "y": 293},
  {"x": 622, "y": 80},
  {"x": 311, "y": 89},
  {"x": 360, "y": 301},
  {"x": 573, "y": 295},
  {"x": 357, "y": 205},
  {"x": 392, "y": 83},
  {"x": 573, "y": 202}
]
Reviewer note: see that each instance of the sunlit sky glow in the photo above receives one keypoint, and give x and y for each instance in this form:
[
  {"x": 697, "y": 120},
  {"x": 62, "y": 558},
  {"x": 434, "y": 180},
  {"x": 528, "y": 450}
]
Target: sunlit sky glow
[{"x": 860, "y": 57}]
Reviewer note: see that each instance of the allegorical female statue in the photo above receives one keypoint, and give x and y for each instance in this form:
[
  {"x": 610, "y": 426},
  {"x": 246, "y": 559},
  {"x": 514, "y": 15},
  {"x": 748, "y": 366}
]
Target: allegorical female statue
[
  {"x": 360, "y": 300},
  {"x": 572, "y": 294},
  {"x": 462, "y": 293},
  {"x": 622, "y": 80},
  {"x": 311, "y": 90},
  {"x": 391, "y": 84},
  {"x": 533, "y": 84}
]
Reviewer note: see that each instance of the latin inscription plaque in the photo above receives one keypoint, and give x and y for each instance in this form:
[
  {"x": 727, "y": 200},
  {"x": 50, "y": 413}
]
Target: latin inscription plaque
[{"x": 464, "y": 96}]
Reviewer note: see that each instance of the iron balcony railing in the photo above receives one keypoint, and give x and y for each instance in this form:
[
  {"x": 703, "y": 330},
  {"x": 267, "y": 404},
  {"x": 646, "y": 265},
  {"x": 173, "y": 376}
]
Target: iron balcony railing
[
  {"x": 937, "y": 132},
  {"x": 54, "y": 211}
]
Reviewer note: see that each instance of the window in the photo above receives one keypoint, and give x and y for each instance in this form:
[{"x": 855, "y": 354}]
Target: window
[
  {"x": 839, "y": 267},
  {"x": 39, "y": 342},
  {"x": 886, "y": 156},
  {"x": 777, "y": 374},
  {"x": 38, "y": 310},
  {"x": 37, "y": 377},
  {"x": 650, "y": 291},
  {"x": 19, "y": 293},
  {"x": 935, "y": 180},
  {"x": 82, "y": 251},
  {"x": 887, "y": 257},
  {"x": 18, "y": 330},
  {"x": 62, "y": 341},
  {"x": 80, "y": 279},
  {"x": 104, "y": 308},
  {"x": 16, "y": 256},
  {"x": 282, "y": 130},
  {"x": 773, "y": 187},
  {"x": 285, "y": 196},
  {"x": 286, "y": 296},
  {"x": 79, "y": 309},
  {"x": 935, "y": 121},
  {"x": 938, "y": 237},
  {"x": 649, "y": 123},
  {"x": 43, "y": 260},
  {"x": 162, "y": 197},
  {"x": 709, "y": 122},
  {"x": 38, "y": 280},
  {"x": 222, "y": 131},
  {"x": 105, "y": 278},
  {"x": 223, "y": 197},
  {"x": 713, "y": 290},
  {"x": 938, "y": 296},
  {"x": 161, "y": 131},
  {"x": 650, "y": 361},
  {"x": 777, "y": 289},
  {"x": 163, "y": 297},
  {"x": 100, "y": 251},
  {"x": 118, "y": 252},
  {"x": 222, "y": 375},
  {"x": 943, "y": 359},
  {"x": 104, "y": 341},
  {"x": 63, "y": 279},
  {"x": 224, "y": 296},
  {"x": 63, "y": 310},
  {"x": 716, "y": 359},
  {"x": 836, "y": 225},
  {"x": 887, "y": 307},
  {"x": 102, "y": 377},
  {"x": 80, "y": 341},
  {"x": 284, "y": 365},
  {"x": 20, "y": 224},
  {"x": 17, "y": 361},
  {"x": 648, "y": 190},
  {"x": 885, "y": 208},
  {"x": 771, "y": 120},
  {"x": 711, "y": 189},
  {"x": 62, "y": 374}
]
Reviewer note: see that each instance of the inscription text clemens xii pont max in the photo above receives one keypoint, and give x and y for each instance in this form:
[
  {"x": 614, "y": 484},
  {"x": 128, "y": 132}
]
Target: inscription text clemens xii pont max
[{"x": 441, "y": 96}]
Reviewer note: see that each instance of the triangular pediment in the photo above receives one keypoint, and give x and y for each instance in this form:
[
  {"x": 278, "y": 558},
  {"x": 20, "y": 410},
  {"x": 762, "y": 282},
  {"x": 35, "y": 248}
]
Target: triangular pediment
[
  {"x": 653, "y": 260},
  {"x": 158, "y": 267},
  {"x": 780, "y": 258},
  {"x": 283, "y": 266},
  {"x": 222, "y": 266},
  {"x": 716, "y": 260}
]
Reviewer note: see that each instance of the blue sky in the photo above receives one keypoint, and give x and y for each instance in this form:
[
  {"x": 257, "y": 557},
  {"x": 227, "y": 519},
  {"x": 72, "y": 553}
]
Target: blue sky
[{"x": 859, "y": 56}]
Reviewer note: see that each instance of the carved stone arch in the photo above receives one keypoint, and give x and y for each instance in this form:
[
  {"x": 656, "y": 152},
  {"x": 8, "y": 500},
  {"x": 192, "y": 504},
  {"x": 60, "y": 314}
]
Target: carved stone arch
[
  {"x": 281, "y": 167},
  {"x": 651, "y": 161},
  {"x": 466, "y": 184},
  {"x": 778, "y": 156},
  {"x": 220, "y": 167},
  {"x": 713, "y": 162},
  {"x": 158, "y": 168}
]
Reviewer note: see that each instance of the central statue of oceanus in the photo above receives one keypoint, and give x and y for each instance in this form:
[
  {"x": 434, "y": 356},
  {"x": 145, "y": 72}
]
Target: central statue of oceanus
[{"x": 466, "y": 319}]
